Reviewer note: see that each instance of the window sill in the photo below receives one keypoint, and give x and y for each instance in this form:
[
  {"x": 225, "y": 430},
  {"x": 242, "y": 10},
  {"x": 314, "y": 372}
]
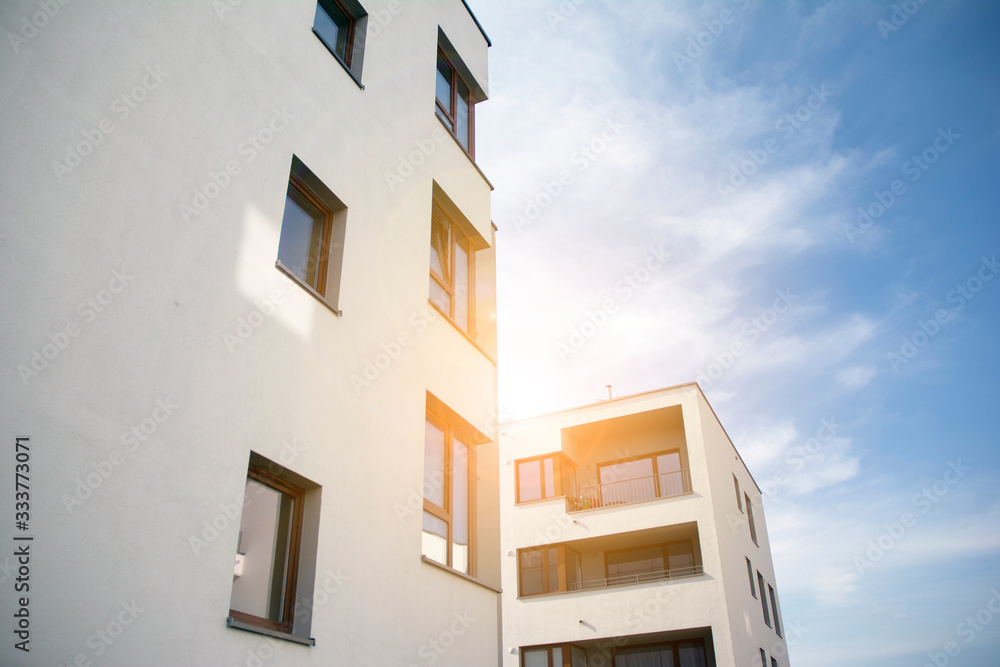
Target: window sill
[
  {"x": 298, "y": 281},
  {"x": 240, "y": 625},
  {"x": 537, "y": 501},
  {"x": 463, "y": 575},
  {"x": 339, "y": 60},
  {"x": 462, "y": 148},
  {"x": 465, "y": 335}
]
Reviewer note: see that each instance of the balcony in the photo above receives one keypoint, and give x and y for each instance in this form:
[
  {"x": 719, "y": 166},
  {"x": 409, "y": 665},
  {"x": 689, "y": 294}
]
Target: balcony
[
  {"x": 629, "y": 491},
  {"x": 638, "y": 578}
]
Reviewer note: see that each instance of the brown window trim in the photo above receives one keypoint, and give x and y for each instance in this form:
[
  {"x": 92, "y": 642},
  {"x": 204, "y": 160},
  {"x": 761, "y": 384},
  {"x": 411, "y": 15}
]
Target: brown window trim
[
  {"x": 638, "y": 457},
  {"x": 750, "y": 519},
  {"x": 675, "y": 645},
  {"x": 663, "y": 549},
  {"x": 451, "y": 428},
  {"x": 559, "y": 460},
  {"x": 567, "y": 654},
  {"x": 451, "y": 113},
  {"x": 291, "y": 577},
  {"x": 561, "y": 584}
]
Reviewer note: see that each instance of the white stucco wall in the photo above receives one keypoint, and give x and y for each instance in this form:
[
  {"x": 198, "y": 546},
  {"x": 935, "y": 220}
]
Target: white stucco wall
[{"x": 157, "y": 335}]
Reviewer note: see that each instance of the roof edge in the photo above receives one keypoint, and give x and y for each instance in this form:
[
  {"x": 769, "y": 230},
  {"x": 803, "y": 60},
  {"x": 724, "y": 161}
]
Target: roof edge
[{"x": 478, "y": 24}]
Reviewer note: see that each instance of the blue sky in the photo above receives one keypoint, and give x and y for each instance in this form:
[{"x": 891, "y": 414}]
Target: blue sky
[{"x": 678, "y": 189}]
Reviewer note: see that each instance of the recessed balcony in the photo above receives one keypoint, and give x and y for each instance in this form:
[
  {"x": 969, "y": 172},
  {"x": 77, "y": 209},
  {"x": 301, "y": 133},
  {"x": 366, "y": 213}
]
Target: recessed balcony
[{"x": 629, "y": 491}]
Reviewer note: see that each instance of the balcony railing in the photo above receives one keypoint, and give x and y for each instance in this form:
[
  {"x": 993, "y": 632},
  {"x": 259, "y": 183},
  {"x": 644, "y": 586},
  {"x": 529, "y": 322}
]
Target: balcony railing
[
  {"x": 629, "y": 491},
  {"x": 638, "y": 578}
]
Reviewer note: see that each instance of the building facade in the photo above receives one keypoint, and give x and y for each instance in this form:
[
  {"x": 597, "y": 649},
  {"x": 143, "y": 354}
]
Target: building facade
[
  {"x": 256, "y": 413},
  {"x": 633, "y": 536}
]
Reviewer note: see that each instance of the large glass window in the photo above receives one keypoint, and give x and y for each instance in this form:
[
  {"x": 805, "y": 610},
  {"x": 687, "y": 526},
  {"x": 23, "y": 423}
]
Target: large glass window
[
  {"x": 335, "y": 27},
  {"x": 677, "y": 654},
  {"x": 267, "y": 559},
  {"x": 452, "y": 270},
  {"x": 447, "y": 493},
  {"x": 305, "y": 234},
  {"x": 542, "y": 477},
  {"x": 642, "y": 478},
  {"x": 311, "y": 244},
  {"x": 548, "y": 570},
  {"x": 753, "y": 526},
  {"x": 763, "y": 599},
  {"x": 455, "y": 103}
]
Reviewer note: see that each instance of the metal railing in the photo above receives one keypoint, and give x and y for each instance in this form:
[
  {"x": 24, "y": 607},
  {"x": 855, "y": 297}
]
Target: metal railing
[
  {"x": 629, "y": 491},
  {"x": 638, "y": 578}
]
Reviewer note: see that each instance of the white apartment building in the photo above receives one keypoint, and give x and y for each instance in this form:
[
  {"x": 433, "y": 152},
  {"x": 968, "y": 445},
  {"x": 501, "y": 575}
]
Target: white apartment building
[
  {"x": 633, "y": 536},
  {"x": 249, "y": 334}
]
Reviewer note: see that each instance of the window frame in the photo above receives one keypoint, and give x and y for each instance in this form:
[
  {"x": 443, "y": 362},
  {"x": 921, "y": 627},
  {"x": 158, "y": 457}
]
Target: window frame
[
  {"x": 330, "y": 259},
  {"x": 664, "y": 554},
  {"x": 656, "y": 473},
  {"x": 352, "y": 24},
  {"x": 323, "y": 260},
  {"x": 774, "y": 609},
  {"x": 739, "y": 500},
  {"x": 454, "y": 230},
  {"x": 763, "y": 599},
  {"x": 674, "y": 645},
  {"x": 753, "y": 525},
  {"x": 567, "y": 653},
  {"x": 560, "y": 466},
  {"x": 450, "y": 114},
  {"x": 753, "y": 590},
  {"x": 450, "y": 429},
  {"x": 290, "y": 583},
  {"x": 562, "y": 585}
]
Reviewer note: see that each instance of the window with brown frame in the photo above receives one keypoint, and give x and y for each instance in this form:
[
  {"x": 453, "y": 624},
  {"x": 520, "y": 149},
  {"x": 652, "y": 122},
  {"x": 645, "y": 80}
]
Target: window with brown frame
[
  {"x": 739, "y": 500},
  {"x": 774, "y": 609},
  {"x": 453, "y": 270},
  {"x": 658, "y": 561},
  {"x": 448, "y": 493},
  {"x": 561, "y": 655},
  {"x": 310, "y": 248},
  {"x": 455, "y": 104},
  {"x": 689, "y": 652},
  {"x": 553, "y": 569},
  {"x": 643, "y": 477},
  {"x": 268, "y": 552},
  {"x": 540, "y": 477},
  {"x": 340, "y": 25},
  {"x": 753, "y": 526},
  {"x": 763, "y": 599}
]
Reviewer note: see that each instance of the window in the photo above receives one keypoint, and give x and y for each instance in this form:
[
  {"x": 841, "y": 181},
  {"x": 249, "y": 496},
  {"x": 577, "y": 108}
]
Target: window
[
  {"x": 312, "y": 235},
  {"x": 448, "y": 485},
  {"x": 554, "y": 569},
  {"x": 455, "y": 103},
  {"x": 763, "y": 658},
  {"x": 659, "y": 561},
  {"x": 739, "y": 502},
  {"x": 763, "y": 599},
  {"x": 753, "y": 591},
  {"x": 278, "y": 509},
  {"x": 684, "y": 654},
  {"x": 463, "y": 273},
  {"x": 643, "y": 478},
  {"x": 753, "y": 528},
  {"x": 774, "y": 663},
  {"x": 548, "y": 476},
  {"x": 774, "y": 609},
  {"x": 452, "y": 269},
  {"x": 341, "y": 26},
  {"x": 565, "y": 655}
]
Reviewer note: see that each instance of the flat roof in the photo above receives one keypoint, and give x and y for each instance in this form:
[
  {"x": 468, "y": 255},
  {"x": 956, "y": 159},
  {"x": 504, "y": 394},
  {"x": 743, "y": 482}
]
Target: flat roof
[{"x": 478, "y": 24}]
